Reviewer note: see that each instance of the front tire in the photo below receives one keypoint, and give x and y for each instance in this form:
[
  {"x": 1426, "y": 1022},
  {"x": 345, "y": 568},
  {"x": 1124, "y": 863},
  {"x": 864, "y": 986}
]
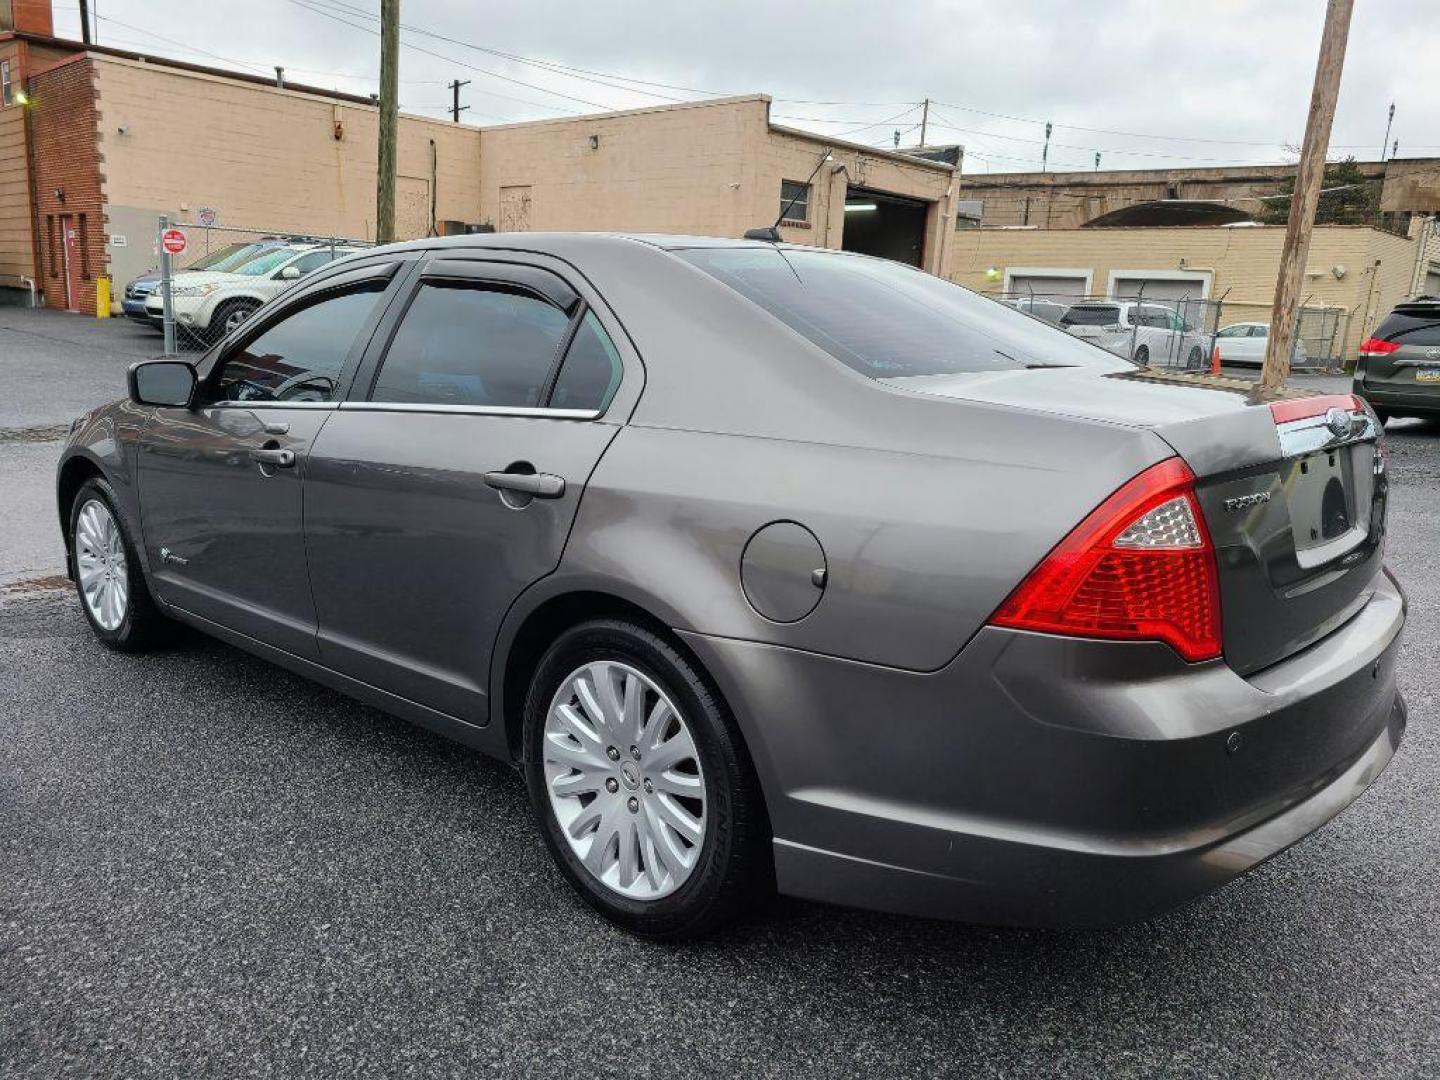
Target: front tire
[
  {"x": 228, "y": 316},
  {"x": 108, "y": 575},
  {"x": 641, "y": 785}
]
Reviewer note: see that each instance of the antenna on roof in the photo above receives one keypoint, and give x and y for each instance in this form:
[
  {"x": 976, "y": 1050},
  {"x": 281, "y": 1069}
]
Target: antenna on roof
[{"x": 771, "y": 233}]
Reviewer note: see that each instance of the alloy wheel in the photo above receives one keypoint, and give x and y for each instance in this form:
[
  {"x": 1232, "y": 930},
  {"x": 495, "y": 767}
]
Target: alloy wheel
[
  {"x": 235, "y": 318},
  {"x": 624, "y": 780},
  {"x": 100, "y": 562}
]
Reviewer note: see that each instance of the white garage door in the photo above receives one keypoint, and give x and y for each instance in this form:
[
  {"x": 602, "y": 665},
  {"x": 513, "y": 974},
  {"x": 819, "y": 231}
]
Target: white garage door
[
  {"x": 1128, "y": 288},
  {"x": 1432, "y": 282},
  {"x": 1070, "y": 288}
]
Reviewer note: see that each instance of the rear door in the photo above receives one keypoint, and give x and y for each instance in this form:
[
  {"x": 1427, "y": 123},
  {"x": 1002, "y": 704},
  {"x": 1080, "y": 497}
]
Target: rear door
[
  {"x": 449, "y": 481},
  {"x": 1403, "y": 355}
]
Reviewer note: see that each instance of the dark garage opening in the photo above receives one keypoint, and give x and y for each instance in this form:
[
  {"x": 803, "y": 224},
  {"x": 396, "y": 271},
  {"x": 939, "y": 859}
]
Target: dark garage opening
[{"x": 885, "y": 225}]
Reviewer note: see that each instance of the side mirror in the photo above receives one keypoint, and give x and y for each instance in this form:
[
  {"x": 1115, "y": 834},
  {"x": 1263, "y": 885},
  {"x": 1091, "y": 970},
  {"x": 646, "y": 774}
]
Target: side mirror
[
  {"x": 162, "y": 382},
  {"x": 289, "y": 273}
]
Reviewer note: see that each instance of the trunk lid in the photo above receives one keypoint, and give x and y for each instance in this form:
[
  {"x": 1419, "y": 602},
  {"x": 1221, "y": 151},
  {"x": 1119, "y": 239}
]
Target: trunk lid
[{"x": 1293, "y": 492}]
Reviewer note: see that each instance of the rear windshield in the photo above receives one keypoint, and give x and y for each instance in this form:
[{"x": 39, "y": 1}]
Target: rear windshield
[
  {"x": 1091, "y": 316},
  {"x": 1417, "y": 326},
  {"x": 890, "y": 321}
]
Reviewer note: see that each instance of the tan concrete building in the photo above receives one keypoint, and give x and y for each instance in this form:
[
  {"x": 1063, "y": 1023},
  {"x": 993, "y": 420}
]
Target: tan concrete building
[
  {"x": 1360, "y": 270},
  {"x": 715, "y": 168},
  {"x": 105, "y": 140}
]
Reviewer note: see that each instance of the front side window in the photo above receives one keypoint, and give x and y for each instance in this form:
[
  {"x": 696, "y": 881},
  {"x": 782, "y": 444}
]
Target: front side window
[
  {"x": 795, "y": 196},
  {"x": 308, "y": 264},
  {"x": 886, "y": 320},
  {"x": 471, "y": 344},
  {"x": 1259, "y": 331},
  {"x": 299, "y": 358},
  {"x": 7, "y": 93},
  {"x": 1158, "y": 318},
  {"x": 265, "y": 262}
]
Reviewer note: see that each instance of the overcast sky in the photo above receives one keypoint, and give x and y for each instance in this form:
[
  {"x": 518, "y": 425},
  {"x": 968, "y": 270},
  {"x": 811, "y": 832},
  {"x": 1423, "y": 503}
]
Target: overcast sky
[{"x": 1167, "y": 82}]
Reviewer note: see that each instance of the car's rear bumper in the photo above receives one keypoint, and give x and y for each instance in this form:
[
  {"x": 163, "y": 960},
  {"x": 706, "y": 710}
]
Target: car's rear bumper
[
  {"x": 1044, "y": 781},
  {"x": 1406, "y": 401}
]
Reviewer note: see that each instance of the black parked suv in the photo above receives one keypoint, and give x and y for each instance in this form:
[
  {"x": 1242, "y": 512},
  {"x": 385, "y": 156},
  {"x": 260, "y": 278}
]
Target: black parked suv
[{"x": 1398, "y": 371}]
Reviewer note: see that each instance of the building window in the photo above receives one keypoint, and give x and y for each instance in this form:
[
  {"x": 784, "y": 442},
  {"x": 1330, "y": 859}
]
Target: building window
[
  {"x": 84, "y": 248},
  {"x": 968, "y": 213},
  {"x": 7, "y": 93},
  {"x": 795, "y": 196}
]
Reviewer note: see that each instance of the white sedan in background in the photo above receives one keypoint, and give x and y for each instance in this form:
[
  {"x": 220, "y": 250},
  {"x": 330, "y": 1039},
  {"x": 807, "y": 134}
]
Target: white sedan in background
[
  {"x": 1243, "y": 344},
  {"x": 209, "y": 304}
]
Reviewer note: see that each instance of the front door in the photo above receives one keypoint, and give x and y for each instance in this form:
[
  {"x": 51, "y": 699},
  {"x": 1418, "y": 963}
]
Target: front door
[
  {"x": 70, "y": 251},
  {"x": 221, "y": 485},
  {"x": 449, "y": 482}
]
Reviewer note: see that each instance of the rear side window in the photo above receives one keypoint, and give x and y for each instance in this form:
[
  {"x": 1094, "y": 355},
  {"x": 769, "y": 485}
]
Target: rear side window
[
  {"x": 1417, "y": 326},
  {"x": 1091, "y": 316},
  {"x": 470, "y": 344},
  {"x": 591, "y": 372},
  {"x": 886, "y": 320}
]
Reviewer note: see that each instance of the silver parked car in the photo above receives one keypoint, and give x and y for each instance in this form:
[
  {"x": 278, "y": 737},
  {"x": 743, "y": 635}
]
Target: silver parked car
[{"x": 774, "y": 567}]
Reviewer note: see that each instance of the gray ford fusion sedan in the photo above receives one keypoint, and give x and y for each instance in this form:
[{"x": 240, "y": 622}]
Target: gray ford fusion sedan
[{"x": 773, "y": 567}]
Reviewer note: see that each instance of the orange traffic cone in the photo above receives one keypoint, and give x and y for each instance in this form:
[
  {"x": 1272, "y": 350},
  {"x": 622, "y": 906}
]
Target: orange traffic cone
[{"x": 1215, "y": 360}]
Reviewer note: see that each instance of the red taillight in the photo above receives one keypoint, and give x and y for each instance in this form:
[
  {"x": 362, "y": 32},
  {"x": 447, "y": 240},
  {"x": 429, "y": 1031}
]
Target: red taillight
[
  {"x": 1140, "y": 567},
  {"x": 1377, "y": 347}
]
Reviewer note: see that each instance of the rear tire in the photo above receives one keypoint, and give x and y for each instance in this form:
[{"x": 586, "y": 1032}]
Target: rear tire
[
  {"x": 630, "y": 770},
  {"x": 1195, "y": 359},
  {"x": 108, "y": 576},
  {"x": 1142, "y": 356}
]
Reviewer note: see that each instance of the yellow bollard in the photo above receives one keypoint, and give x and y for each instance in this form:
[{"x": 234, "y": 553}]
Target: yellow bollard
[{"x": 102, "y": 298}]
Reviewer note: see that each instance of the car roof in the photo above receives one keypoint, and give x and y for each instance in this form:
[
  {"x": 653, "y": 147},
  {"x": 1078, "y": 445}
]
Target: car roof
[{"x": 566, "y": 243}]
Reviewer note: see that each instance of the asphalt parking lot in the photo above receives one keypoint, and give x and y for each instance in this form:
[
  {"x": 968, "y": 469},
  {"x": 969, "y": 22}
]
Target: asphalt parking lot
[{"x": 211, "y": 867}]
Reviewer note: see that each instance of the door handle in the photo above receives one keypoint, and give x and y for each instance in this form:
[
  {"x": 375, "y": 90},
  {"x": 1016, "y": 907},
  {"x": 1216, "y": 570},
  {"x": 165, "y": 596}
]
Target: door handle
[
  {"x": 280, "y": 459},
  {"x": 540, "y": 485}
]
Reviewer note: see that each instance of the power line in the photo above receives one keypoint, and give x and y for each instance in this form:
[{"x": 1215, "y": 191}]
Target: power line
[{"x": 451, "y": 60}]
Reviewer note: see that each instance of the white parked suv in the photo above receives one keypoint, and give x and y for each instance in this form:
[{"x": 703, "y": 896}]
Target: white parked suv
[
  {"x": 1145, "y": 332},
  {"x": 209, "y": 304}
]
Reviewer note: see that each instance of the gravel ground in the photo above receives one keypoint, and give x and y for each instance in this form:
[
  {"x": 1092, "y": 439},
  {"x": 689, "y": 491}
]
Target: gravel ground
[{"x": 211, "y": 867}]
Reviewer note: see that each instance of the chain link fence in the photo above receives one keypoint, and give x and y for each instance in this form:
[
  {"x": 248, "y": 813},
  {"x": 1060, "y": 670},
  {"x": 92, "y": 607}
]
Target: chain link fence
[
  {"x": 222, "y": 276},
  {"x": 1181, "y": 333}
]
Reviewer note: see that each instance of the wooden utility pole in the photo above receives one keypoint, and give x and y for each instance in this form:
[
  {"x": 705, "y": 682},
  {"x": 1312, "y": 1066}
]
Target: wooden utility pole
[
  {"x": 389, "y": 108},
  {"x": 456, "y": 109},
  {"x": 924, "y": 121},
  {"x": 85, "y": 24},
  {"x": 1309, "y": 178}
]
